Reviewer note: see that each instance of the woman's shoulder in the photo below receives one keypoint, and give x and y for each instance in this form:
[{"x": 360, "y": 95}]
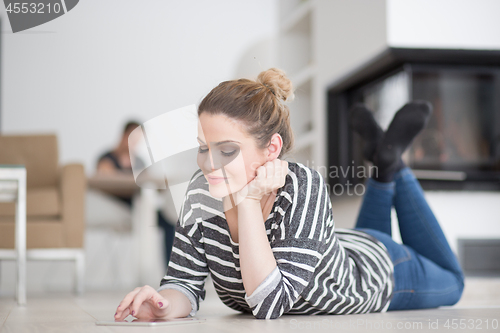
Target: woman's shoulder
[
  {"x": 198, "y": 180},
  {"x": 198, "y": 204},
  {"x": 198, "y": 190},
  {"x": 304, "y": 202},
  {"x": 301, "y": 175},
  {"x": 108, "y": 154},
  {"x": 301, "y": 182}
]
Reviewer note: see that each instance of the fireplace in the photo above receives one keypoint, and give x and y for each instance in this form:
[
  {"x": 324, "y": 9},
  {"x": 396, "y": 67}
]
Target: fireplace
[{"x": 460, "y": 147}]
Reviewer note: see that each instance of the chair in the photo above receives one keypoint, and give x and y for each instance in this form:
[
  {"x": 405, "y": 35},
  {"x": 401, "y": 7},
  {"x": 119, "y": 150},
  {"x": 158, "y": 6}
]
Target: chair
[
  {"x": 109, "y": 241},
  {"x": 55, "y": 202}
]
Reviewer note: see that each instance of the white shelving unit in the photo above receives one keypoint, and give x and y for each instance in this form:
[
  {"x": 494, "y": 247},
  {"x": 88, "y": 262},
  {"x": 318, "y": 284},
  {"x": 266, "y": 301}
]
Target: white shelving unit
[{"x": 296, "y": 56}]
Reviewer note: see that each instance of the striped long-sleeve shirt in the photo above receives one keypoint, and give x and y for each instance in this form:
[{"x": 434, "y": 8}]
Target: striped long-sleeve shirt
[{"x": 320, "y": 269}]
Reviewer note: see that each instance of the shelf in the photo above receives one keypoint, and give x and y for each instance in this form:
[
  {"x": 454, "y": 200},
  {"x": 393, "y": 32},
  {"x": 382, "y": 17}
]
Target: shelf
[
  {"x": 303, "y": 76},
  {"x": 301, "y": 118},
  {"x": 298, "y": 17},
  {"x": 295, "y": 42},
  {"x": 296, "y": 56},
  {"x": 295, "y": 53}
]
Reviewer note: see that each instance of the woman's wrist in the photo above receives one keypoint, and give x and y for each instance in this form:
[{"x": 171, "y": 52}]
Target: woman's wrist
[
  {"x": 178, "y": 306},
  {"x": 247, "y": 207},
  {"x": 250, "y": 201}
]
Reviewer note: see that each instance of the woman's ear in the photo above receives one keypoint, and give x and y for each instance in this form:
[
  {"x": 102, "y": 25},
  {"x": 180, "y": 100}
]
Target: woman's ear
[{"x": 274, "y": 148}]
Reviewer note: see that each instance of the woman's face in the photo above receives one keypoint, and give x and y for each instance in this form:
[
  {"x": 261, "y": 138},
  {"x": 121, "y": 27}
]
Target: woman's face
[{"x": 227, "y": 156}]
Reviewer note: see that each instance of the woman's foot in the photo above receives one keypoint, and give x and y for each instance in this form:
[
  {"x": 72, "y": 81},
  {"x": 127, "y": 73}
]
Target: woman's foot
[
  {"x": 362, "y": 122},
  {"x": 405, "y": 126}
]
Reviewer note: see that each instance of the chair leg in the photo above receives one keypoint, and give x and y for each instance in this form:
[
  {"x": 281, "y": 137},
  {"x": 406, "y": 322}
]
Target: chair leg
[
  {"x": 21, "y": 281},
  {"x": 80, "y": 272},
  {"x": 20, "y": 234}
]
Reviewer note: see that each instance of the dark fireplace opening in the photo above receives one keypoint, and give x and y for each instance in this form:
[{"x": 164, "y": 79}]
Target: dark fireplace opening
[{"x": 460, "y": 147}]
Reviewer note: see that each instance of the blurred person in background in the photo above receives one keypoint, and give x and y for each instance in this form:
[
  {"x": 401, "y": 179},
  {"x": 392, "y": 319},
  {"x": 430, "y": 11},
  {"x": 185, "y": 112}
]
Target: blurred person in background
[{"x": 118, "y": 161}]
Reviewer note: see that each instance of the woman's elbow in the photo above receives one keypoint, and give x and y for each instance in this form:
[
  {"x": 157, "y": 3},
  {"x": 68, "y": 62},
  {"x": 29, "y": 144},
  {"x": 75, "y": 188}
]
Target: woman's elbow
[{"x": 266, "y": 315}]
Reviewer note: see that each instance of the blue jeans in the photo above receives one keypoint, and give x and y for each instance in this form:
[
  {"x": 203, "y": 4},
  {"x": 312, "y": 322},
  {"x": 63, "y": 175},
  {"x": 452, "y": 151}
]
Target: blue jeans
[{"x": 427, "y": 273}]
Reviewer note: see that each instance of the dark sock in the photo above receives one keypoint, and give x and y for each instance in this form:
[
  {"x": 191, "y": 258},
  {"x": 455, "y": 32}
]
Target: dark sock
[
  {"x": 362, "y": 122},
  {"x": 404, "y": 127}
]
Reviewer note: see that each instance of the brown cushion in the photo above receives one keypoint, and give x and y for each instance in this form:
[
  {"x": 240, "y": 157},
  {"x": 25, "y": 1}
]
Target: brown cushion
[
  {"x": 41, "y": 233},
  {"x": 37, "y": 152},
  {"x": 41, "y": 202}
]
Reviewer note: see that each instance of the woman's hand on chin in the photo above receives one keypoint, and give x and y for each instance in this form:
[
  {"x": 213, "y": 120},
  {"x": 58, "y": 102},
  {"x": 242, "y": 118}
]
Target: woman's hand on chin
[{"x": 270, "y": 177}]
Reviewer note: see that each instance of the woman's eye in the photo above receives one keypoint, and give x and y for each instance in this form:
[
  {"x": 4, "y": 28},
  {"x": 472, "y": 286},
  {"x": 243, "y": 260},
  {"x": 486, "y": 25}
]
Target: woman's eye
[
  {"x": 223, "y": 153},
  {"x": 228, "y": 154}
]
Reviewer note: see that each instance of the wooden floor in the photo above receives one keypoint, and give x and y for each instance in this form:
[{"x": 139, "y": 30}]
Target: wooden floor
[{"x": 479, "y": 309}]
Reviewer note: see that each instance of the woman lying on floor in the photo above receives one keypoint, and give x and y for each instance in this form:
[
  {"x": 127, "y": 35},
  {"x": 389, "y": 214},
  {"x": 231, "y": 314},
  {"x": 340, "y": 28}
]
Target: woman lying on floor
[{"x": 264, "y": 230}]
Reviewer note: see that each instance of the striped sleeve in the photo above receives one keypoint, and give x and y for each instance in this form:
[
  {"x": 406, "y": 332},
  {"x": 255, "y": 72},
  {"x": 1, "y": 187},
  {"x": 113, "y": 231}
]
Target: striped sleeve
[
  {"x": 298, "y": 249},
  {"x": 187, "y": 269}
]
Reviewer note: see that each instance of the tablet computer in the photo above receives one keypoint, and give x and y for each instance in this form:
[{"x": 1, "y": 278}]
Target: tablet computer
[{"x": 151, "y": 322}]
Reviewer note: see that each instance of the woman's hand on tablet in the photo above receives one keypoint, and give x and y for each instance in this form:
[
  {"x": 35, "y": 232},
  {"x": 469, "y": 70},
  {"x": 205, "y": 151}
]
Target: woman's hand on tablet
[{"x": 143, "y": 303}]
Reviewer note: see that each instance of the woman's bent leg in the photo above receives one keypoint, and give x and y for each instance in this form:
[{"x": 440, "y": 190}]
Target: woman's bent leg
[
  {"x": 375, "y": 211},
  {"x": 419, "y": 283},
  {"x": 419, "y": 227}
]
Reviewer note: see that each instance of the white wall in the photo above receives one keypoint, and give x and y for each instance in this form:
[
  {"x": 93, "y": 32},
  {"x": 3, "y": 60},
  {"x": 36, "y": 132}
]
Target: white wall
[
  {"x": 349, "y": 33},
  {"x": 346, "y": 34},
  {"x": 455, "y": 24},
  {"x": 84, "y": 74}
]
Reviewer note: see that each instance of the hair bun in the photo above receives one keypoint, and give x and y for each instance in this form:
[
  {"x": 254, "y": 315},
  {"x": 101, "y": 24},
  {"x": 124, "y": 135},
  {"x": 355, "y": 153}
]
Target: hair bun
[{"x": 277, "y": 81}]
